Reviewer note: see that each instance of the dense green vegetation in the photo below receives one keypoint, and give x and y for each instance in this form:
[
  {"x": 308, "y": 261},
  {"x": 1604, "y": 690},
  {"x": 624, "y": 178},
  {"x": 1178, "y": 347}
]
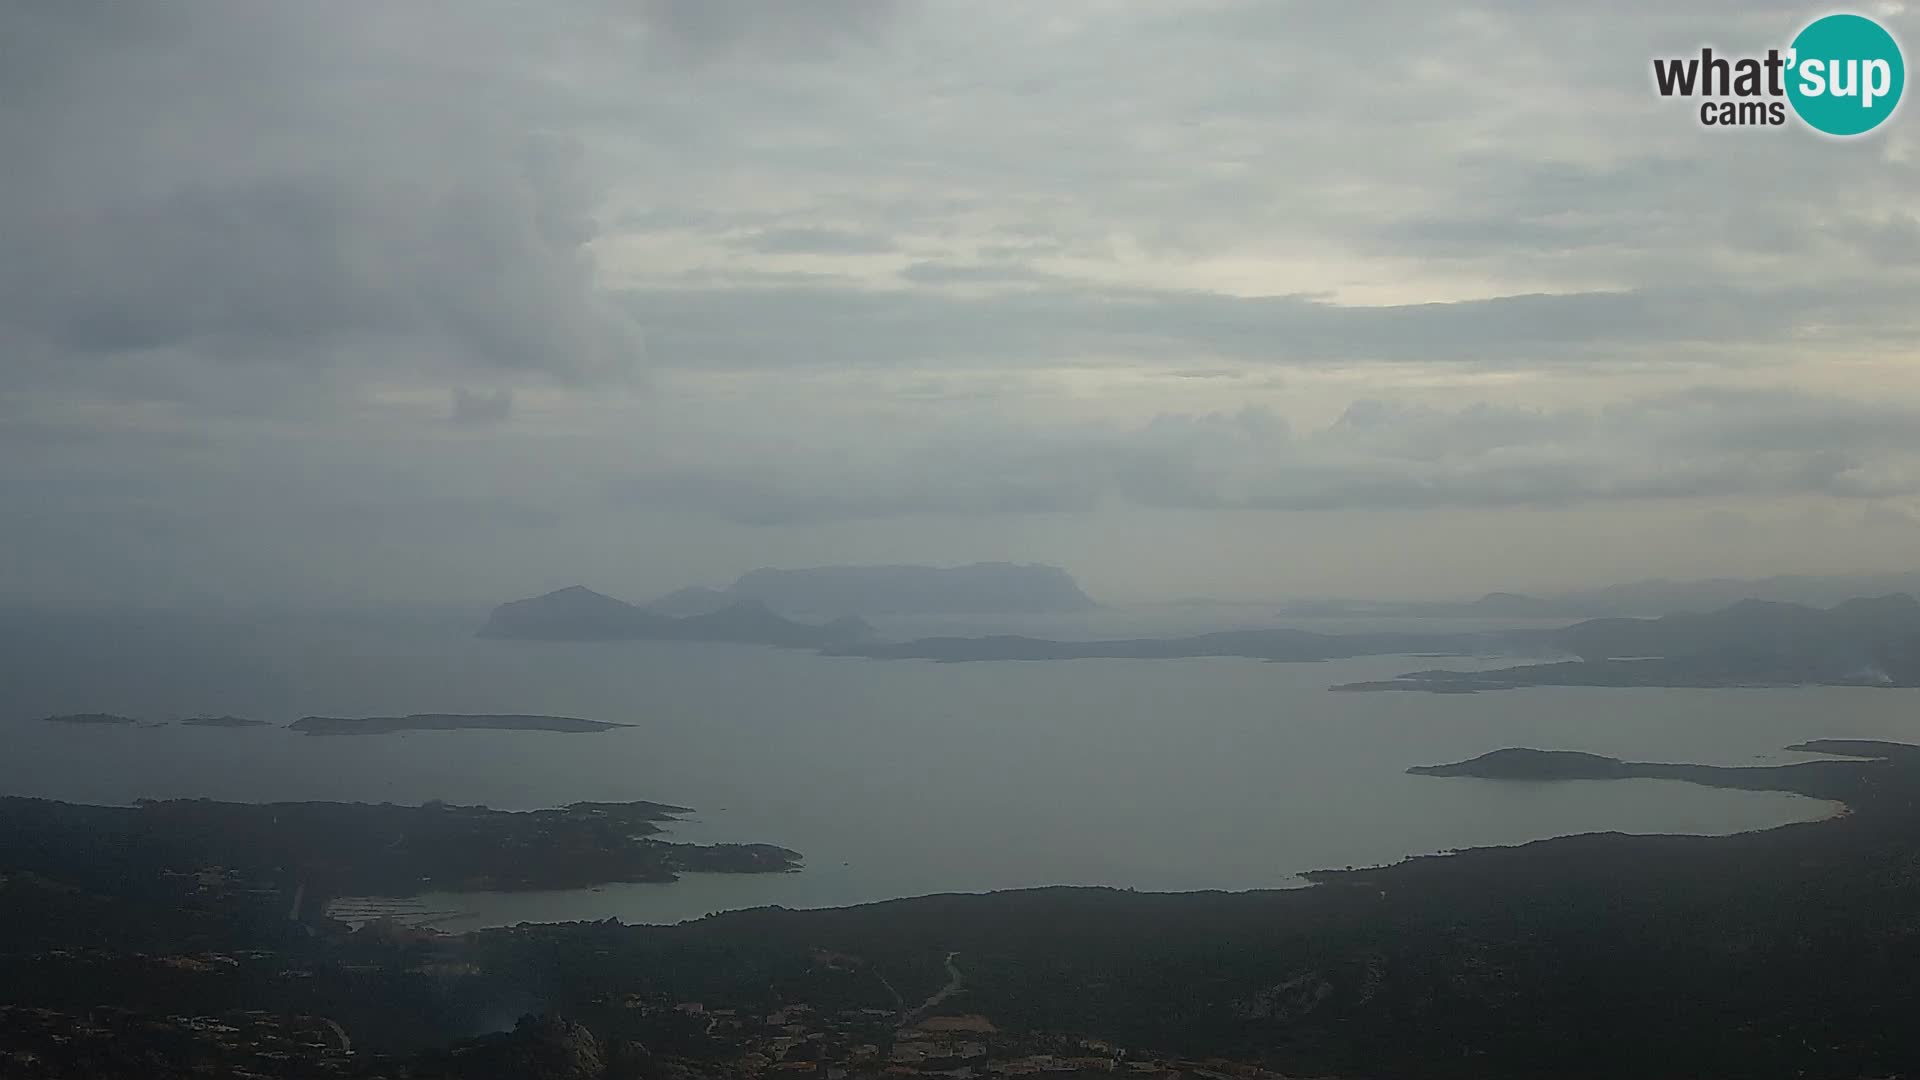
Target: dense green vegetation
[{"x": 1784, "y": 953}]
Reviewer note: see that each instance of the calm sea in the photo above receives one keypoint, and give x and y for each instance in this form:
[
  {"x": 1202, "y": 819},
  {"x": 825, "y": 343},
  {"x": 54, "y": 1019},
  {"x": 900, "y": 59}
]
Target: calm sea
[{"x": 892, "y": 778}]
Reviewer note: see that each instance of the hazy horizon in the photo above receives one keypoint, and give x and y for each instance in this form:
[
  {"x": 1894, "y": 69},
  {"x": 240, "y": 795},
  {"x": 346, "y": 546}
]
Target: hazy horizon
[{"x": 985, "y": 622}]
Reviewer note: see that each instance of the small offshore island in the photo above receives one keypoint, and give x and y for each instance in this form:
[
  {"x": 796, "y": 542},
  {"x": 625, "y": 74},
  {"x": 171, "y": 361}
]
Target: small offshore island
[
  {"x": 1838, "y": 781},
  {"x": 385, "y": 725},
  {"x": 103, "y": 719},
  {"x": 223, "y": 722},
  {"x": 368, "y": 725}
]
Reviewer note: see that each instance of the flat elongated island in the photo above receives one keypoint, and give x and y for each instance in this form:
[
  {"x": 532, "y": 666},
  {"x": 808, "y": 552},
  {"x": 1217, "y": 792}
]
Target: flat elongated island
[
  {"x": 1840, "y": 781},
  {"x": 386, "y": 725},
  {"x": 223, "y": 722}
]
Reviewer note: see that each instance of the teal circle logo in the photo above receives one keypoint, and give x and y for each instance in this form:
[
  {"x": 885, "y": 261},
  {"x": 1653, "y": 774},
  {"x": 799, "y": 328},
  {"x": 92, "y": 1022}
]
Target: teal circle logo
[{"x": 1846, "y": 74}]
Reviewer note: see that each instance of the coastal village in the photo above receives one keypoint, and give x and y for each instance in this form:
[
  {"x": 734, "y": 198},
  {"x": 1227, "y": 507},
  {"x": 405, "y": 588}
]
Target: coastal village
[
  {"x": 697, "y": 1040},
  {"x": 108, "y": 1041},
  {"x": 795, "y": 1041},
  {"x": 857, "y": 1044},
  {"x": 161, "y": 961}
]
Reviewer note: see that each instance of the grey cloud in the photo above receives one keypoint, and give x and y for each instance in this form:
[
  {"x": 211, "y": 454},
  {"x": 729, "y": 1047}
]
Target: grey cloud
[
  {"x": 840, "y": 325},
  {"x": 272, "y": 271},
  {"x": 1378, "y": 455},
  {"x": 812, "y": 241},
  {"x": 474, "y": 408},
  {"x": 1024, "y": 249},
  {"x": 1698, "y": 444},
  {"x": 747, "y": 497},
  {"x": 1890, "y": 240},
  {"x": 1889, "y": 517},
  {"x": 1477, "y": 233},
  {"x": 1751, "y": 420},
  {"x": 1664, "y": 220},
  {"x": 947, "y": 273},
  {"x": 252, "y": 248},
  {"x": 256, "y": 183},
  {"x": 708, "y": 29}
]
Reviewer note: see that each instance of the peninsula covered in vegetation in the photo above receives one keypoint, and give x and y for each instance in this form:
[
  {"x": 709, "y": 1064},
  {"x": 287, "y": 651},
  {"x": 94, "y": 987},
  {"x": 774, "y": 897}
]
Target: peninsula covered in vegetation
[
  {"x": 390, "y": 850},
  {"x": 178, "y": 933}
]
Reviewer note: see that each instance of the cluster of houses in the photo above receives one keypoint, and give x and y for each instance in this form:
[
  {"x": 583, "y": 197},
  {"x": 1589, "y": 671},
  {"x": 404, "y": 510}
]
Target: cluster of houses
[
  {"x": 243, "y": 1045},
  {"x": 874, "y": 1044}
]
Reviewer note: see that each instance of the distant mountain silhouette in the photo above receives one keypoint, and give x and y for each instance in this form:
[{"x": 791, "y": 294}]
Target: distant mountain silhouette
[
  {"x": 692, "y": 600},
  {"x": 577, "y": 613},
  {"x": 1861, "y": 637},
  {"x": 1275, "y": 644},
  {"x": 1754, "y": 642},
  {"x": 1632, "y": 599},
  {"x": 1517, "y": 605},
  {"x": 1860, "y": 642},
  {"x": 1661, "y": 597},
  {"x": 1863, "y": 641},
  {"x": 980, "y": 588},
  {"x": 1494, "y": 605}
]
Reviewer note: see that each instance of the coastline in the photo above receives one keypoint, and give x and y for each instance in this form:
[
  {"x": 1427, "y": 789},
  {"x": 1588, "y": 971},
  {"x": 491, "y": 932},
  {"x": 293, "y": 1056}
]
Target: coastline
[
  {"x": 725, "y": 894},
  {"x": 1482, "y": 956}
]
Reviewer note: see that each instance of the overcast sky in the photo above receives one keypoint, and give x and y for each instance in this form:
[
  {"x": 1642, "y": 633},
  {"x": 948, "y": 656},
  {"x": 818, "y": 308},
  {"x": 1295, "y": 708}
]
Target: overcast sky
[{"x": 384, "y": 303}]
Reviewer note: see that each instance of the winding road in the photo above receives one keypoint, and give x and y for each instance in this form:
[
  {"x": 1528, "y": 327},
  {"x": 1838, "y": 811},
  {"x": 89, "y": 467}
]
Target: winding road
[{"x": 955, "y": 981}]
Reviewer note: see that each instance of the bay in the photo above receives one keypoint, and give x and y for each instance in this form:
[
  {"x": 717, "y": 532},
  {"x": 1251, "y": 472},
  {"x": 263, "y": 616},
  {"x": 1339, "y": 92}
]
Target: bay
[{"x": 898, "y": 778}]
